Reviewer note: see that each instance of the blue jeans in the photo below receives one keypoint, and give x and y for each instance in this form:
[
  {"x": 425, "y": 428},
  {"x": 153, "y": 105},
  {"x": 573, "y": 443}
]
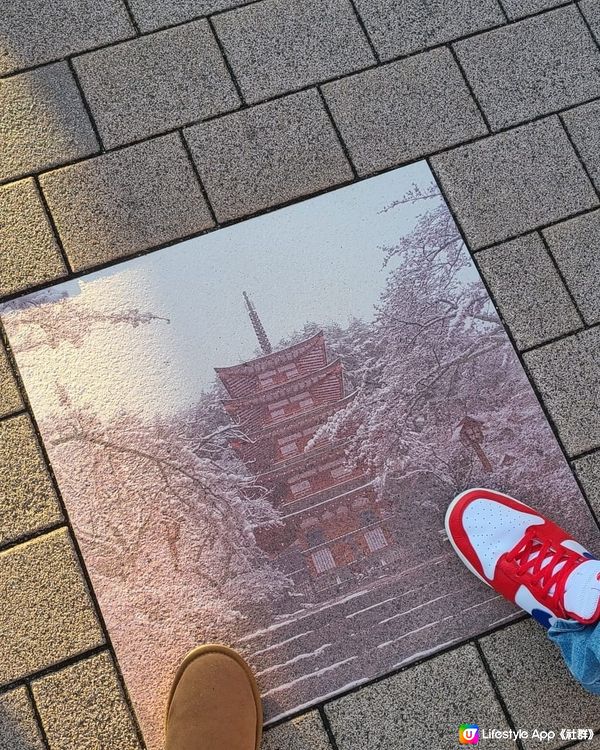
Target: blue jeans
[{"x": 580, "y": 647}]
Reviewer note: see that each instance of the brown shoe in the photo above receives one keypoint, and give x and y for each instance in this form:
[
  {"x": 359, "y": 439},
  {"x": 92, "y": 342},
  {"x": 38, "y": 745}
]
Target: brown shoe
[{"x": 214, "y": 703}]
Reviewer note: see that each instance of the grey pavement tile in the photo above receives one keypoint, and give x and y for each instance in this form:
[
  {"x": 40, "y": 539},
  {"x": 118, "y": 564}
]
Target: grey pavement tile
[
  {"x": 532, "y": 68},
  {"x": 521, "y": 8},
  {"x": 18, "y": 725},
  {"x": 528, "y": 290},
  {"x": 126, "y": 201},
  {"x": 575, "y": 245},
  {"x": 46, "y": 614},
  {"x": 591, "y": 11},
  {"x": 403, "y": 110},
  {"x": 38, "y": 31},
  {"x": 422, "y": 706},
  {"x": 82, "y": 707},
  {"x": 29, "y": 254},
  {"x": 522, "y": 659},
  {"x": 513, "y": 182},
  {"x": 280, "y": 45},
  {"x": 583, "y": 125},
  {"x": 567, "y": 373},
  {"x": 399, "y": 27},
  {"x": 27, "y": 499},
  {"x": 154, "y": 14},
  {"x": 156, "y": 83},
  {"x": 304, "y": 733},
  {"x": 10, "y": 399},
  {"x": 267, "y": 155},
  {"x": 587, "y": 469},
  {"x": 43, "y": 123}
]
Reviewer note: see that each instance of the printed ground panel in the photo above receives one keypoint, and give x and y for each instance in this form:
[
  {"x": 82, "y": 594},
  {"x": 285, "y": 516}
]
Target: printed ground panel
[{"x": 257, "y": 433}]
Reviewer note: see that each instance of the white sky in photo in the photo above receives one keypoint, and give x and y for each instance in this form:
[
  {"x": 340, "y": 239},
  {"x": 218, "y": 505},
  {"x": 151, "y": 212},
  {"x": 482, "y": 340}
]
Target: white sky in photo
[{"x": 317, "y": 260}]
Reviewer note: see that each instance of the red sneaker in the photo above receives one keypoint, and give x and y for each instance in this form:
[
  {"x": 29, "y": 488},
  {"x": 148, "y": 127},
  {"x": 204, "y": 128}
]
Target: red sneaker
[{"x": 525, "y": 557}]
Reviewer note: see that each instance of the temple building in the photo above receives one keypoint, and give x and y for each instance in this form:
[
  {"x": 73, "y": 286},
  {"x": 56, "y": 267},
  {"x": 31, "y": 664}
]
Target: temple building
[{"x": 334, "y": 527}]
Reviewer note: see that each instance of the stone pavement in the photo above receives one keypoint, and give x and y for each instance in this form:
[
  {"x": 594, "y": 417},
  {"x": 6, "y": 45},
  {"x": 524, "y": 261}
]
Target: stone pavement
[{"x": 130, "y": 125}]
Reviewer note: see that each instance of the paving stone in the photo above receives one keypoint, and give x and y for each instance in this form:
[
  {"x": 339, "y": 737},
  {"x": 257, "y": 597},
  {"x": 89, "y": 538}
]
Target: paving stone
[
  {"x": 28, "y": 251},
  {"x": 18, "y": 726},
  {"x": 268, "y": 154},
  {"x": 156, "y": 83},
  {"x": 537, "y": 66},
  {"x": 126, "y": 201},
  {"x": 280, "y": 45},
  {"x": 420, "y": 707},
  {"x": 403, "y": 110},
  {"x": 528, "y": 290},
  {"x": 522, "y": 659},
  {"x": 591, "y": 11},
  {"x": 27, "y": 499},
  {"x": 587, "y": 469},
  {"x": 575, "y": 245},
  {"x": 521, "y": 8},
  {"x": 10, "y": 400},
  {"x": 399, "y": 27},
  {"x": 82, "y": 707},
  {"x": 304, "y": 733},
  {"x": 567, "y": 373},
  {"x": 38, "y": 31},
  {"x": 46, "y": 614},
  {"x": 583, "y": 125},
  {"x": 43, "y": 122},
  {"x": 155, "y": 14},
  {"x": 513, "y": 182}
]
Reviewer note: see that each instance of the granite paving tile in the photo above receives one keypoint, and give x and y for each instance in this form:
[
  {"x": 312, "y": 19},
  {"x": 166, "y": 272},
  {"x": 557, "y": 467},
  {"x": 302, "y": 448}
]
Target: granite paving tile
[
  {"x": 155, "y": 83},
  {"x": 567, "y": 373},
  {"x": 583, "y": 125},
  {"x": 267, "y": 155},
  {"x": 304, "y": 733},
  {"x": 532, "y": 68},
  {"x": 27, "y": 499},
  {"x": 38, "y": 31},
  {"x": 422, "y": 706},
  {"x": 126, "y": 201},
  {"x": 276, "y": 46},
  {"x": 82, "y": 707},
  {"x": 18, "y": 725},
  {"x": 403, "y": 110},
  {"x": 520, "y": 8},
  {"x": 575, "y": 245},
  {"x": 519, "y": 273},
  {"x": 587, "y": 469},
  {"x": 155, "y": 14},
  {"x": 522, "y": 659},
  {"x": 515, "y": 181},
  {"x": 29, "y": 254},
  {"x": 10, "y": 399},
  {"x": 591, "y": 11},
  {"x": 399, "y": 27},
  {"x": 46, "y": 614},
  {"x": 43, "y": 123}
]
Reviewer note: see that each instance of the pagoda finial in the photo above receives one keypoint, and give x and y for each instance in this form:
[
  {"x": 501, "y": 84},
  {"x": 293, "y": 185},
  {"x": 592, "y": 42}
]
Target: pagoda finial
[{"x": 259, "y": 330}]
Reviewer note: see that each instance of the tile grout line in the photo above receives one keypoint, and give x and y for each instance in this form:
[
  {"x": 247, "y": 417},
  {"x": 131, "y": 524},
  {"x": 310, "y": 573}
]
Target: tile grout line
[
  {"x": 31, "y": 536},
  {"x": 203, "y": 191},
  {"x": 228, "y": 65},
  {"x": 133, "y": 19},
  {"x": 532, "y": 383},
  {"x": 338, "y": 134},
  {"x": 72, "y": 537},
  {"x": 53, "y": 229},
  {"x": 470, "y": 89},
  {"x": 37, "y": 715},
  {"x": 503, "y": 9},
  {"x": 86, "y": 105},
  {"x": 363, "y": 26},
  {"x": 327, "y": 726},
  {"x": 496, "y": 690},
  {"x": 561, "y": 276},
  {"x": 587, "y": 24}
]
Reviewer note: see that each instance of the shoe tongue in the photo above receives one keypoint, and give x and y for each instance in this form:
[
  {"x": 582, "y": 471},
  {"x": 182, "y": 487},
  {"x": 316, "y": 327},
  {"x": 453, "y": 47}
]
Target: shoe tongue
[{"x": 582, "y": 591}]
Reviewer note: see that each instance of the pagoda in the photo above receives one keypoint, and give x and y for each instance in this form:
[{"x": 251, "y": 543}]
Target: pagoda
[{"x": 333, "y": 527}]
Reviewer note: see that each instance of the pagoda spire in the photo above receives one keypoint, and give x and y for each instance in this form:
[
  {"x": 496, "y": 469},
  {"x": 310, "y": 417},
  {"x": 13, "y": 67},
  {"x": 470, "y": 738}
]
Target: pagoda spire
[{"x": 259, "y": 330}]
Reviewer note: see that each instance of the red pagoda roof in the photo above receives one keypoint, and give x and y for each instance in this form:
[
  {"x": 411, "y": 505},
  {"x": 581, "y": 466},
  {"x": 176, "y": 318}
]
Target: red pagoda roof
[{"x": 239, "y": 379}]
